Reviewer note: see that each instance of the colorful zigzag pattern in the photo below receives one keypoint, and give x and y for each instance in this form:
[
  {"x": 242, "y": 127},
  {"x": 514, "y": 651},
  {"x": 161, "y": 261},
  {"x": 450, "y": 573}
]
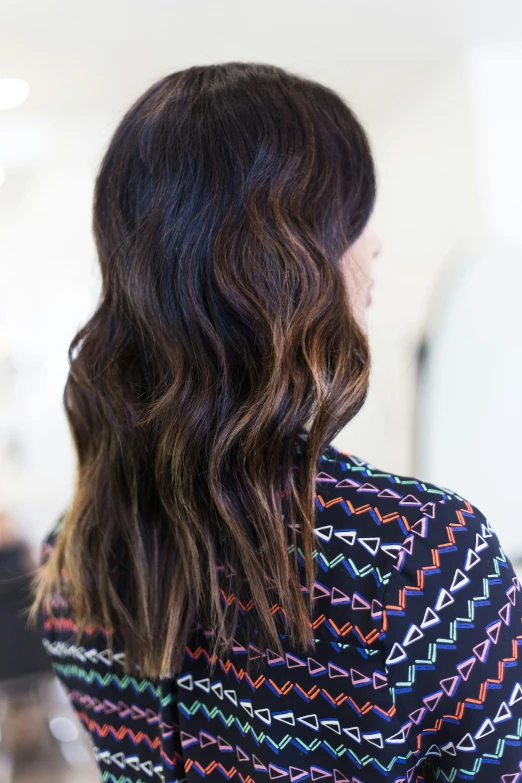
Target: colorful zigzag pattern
[{"x": 415, "y": 675}]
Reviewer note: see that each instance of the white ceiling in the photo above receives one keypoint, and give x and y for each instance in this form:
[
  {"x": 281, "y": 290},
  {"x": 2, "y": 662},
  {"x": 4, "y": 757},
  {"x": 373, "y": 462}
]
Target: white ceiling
[
  {"x": 86, "y": 62},
  {"x": 99, "y": 55}
]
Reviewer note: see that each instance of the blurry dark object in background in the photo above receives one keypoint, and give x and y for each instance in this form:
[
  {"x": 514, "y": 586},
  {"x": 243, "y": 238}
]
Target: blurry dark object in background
[
  {"x": 23, "y": 661},
  {"x": 21, "y": 650},
  {"x": 40, "y": 737}
]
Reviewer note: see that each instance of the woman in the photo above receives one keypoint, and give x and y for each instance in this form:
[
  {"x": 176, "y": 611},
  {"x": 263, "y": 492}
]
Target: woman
[{"x": 229, "y": 596}]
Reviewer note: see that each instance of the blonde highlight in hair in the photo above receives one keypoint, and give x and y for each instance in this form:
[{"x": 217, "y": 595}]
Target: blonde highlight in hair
[{"x": 226, "y": 197}]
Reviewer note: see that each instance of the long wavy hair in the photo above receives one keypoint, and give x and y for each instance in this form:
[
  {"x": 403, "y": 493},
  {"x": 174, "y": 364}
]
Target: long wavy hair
[{"x": 223, "y": 334}]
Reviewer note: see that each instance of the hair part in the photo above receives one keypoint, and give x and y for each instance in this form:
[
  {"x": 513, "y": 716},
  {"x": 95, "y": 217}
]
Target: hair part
[{"x": 222, "y": 206}]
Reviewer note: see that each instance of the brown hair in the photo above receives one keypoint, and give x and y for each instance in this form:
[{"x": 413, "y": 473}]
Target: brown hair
[{"x": 222, "y": 206}]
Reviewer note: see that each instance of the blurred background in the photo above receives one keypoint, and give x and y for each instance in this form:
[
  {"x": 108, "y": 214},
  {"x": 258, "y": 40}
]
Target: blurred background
[{"x": 438, "y": 88}]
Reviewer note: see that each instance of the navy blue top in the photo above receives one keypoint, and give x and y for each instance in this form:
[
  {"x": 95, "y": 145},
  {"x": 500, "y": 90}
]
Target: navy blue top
[{"x": 415, "y": 674}]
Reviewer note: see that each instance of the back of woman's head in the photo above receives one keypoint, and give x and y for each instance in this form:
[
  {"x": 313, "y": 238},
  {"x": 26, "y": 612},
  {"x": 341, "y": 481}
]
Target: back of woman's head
[{"x": 222, "y": 207}]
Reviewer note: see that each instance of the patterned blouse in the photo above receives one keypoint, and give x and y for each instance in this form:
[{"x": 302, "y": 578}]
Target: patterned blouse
[{"x": 415, "y": 674}]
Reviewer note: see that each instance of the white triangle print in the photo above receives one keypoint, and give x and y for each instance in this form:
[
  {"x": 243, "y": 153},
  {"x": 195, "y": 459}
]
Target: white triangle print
[
  {"x": 232, "y": 695},
  {"x": 324, "y": 532},
  {"x": 444, "y": 599},
  {"x": 486, "y": 728},
  {"x": 106, "y": 657},
  {"x": 486, "y": 531},
  {"x": 516, "y": 694},
  {"x": 310, "y": 720},
  {"x": 466, "y": 743},
  {"x": 449, "y": 748},
  {"x": 185, "y": 682},
  {"x": 433, "y": 750},
  {"x": 430, "y": 618},
  {"x": 348, "y": 536},
  {"x": 459, "y": 581},
  {"x": 471, "y": 560},
  {"x": 396, "y": 655},
  {"x": 397, "y": 738},
  {"x": 119, "y": 658},
  {"x": 285, "y": 717},
  {"x": 264, "y": 715},
  {"x": 413, "y": 634},
  {"x": 391, "y": 549},
  {"x": 354, "y": 732},
  {"x": 333, "y": 725},
  {"x": 503, "y": 713},
  {"x": 375, "y": 738},
  {"x": 119, "y": 759},
  {"x": 480, "y": 544},
  {"x": 371, "y": 544}
]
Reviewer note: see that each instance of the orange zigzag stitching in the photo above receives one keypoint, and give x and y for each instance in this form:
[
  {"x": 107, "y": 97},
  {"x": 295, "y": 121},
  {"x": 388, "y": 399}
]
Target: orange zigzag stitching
[
  {"x": 288, "y": 686},
  {"x": 172, "y": 762},
  {"x": 420, "y": 577},
  {"x": 104, "y": 729},
  {"x": 461, "y": 705},
  {"x": 357, "y": 509},
  {"x": 215, "y": 765}
]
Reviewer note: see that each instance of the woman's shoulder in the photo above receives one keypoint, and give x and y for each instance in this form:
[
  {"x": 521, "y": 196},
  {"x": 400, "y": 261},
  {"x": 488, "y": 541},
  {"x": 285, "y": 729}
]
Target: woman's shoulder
[
  {"x": 366, "y": 478},
  {"x": 391, "y": 508},
  {"x": 341, "y": 470}
]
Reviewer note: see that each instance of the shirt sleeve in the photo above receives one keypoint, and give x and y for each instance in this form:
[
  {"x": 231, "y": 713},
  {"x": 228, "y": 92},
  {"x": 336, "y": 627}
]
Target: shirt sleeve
[{"x": 452, "y": 636}]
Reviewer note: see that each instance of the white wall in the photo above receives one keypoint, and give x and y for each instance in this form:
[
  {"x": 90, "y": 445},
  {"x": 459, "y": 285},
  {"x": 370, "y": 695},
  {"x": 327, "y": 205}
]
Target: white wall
[
  {"x": 49, "y": 286},
  {"x": 471, "y": 417},
  {"x": 427, "y": 205}
]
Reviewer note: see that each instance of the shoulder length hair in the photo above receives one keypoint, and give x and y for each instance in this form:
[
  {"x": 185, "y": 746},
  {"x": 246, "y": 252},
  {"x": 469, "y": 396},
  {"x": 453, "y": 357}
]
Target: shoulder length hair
[{"x": 223, "y": 332}]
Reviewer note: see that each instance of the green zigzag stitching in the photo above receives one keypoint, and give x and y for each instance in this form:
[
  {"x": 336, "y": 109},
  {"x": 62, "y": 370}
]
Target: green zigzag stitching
[
  {"x": 247, "y": 728},
  {"x": 404, "y": 482},
  {"x": 109, "y": 777},
  {"x": 366, "y": 570},
  {"x": 90, "y": 676},
  {"x": 496, "y": 756},
  {"x": 432, "y": 650}
]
